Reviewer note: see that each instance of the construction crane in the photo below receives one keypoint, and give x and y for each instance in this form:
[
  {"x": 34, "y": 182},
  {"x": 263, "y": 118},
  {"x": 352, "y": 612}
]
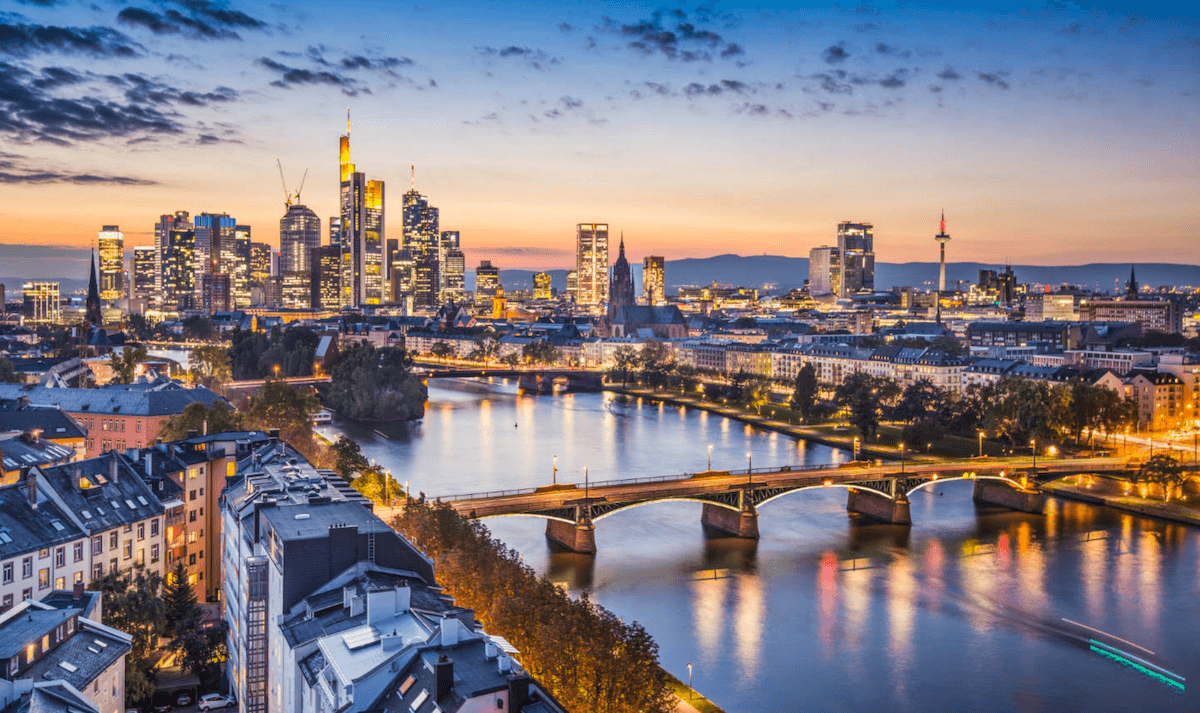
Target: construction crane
[{"x": 288, "y": 197}]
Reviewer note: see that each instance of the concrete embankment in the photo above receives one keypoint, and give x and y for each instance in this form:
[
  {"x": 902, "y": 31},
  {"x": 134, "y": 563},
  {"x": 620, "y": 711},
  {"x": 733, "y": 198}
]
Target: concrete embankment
[{"x": 1128, "y": 503}]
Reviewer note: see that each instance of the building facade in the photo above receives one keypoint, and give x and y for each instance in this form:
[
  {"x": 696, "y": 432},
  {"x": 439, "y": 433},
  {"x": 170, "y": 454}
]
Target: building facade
[
  {"x": 299, "y": 234},
  {"x": 360, "y": 233},
  {"x": 654, "y": 283},
  {"x": 42, "y": 302},
  {"x": 112, "y": 263},
  {"x": 487, "y": 284},
  {"x": 591, "y": 263}
]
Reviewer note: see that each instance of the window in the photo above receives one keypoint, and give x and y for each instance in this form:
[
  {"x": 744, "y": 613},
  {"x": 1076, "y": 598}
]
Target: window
[
  {"x": 60, "y": 557},
  {"x": 60, "y": 583},
  {"x": 141, "y": 531},
  {"x": 8, "y": 572},
  {"x": 77, "y": 578},
  {"x": 139, "y": 426},
  {"x": 78, "y": 551},
  {"x": 112, "y": 565},
  {"x": 192, "y": 558},
  {"x": 191, "y": 495},
  {"x": 43, "y": 553},
  {"x": 98, "y": 570},
  {"x": 8, "y": 601},
  {"x": 191, "y": 516},
  {"x": 129, "y": 527},
  {"x": 141, "y": 556},
  {"x": 153, "y": 553},
  {"x": 97, "y": 545},
  {"x": 112, "y": 540},
  {"x": 128, "y": 553},
  {"x": 27, "y": 594},
  {"x": 44, "y": 578},
  {"x": 27, "y": 568},
  {"x": 154, "y": 527}
]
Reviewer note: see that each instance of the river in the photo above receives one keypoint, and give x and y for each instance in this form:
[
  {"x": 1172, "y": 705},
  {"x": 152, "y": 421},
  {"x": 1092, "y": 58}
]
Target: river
[{"x": 971, "y": 608}]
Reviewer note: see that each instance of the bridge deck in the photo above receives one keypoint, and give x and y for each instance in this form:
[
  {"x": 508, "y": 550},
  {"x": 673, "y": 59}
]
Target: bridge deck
[{"x": 533, "y": 500}]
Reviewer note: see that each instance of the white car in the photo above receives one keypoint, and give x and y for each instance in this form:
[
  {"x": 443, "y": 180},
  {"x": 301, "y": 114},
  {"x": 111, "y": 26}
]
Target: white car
[{"x": 212, "y": 701}]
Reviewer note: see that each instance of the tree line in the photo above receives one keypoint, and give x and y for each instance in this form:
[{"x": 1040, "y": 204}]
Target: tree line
[{"x": 582, "y": 653}]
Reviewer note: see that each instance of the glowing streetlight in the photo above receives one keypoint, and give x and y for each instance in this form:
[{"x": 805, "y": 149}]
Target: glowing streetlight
[
  {"x": 1033, "y": 447},
  {"x": 276, "y": 371},
  {"x": 981, "y": 444},
  {"x": 710, "y": 456},
  {"x": 902, "y": 453},
  {"x": 857, "y": 447},
  {"x": 691, "y": 691},
  {"x": 555, "y": 481}
]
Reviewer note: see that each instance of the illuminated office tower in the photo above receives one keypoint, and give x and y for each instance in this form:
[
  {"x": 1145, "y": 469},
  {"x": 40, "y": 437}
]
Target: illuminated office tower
[
  {"x": 142, "y": 275},
  {"x": 361, "y": 235},
  {"x": 179, "y": 265},
  {"x": 215, "y": 257},
  {"x": 422, "y": 239},
  {"x": 42, "y": 302},
  {"x": 654, "y": 285},
  {"x": 335, "y": 230},
  {"x": 454, "y": 276},
  {"x": 259, "y": 271},
  {"x": 401, "y": 276},
  {"x": 241, "y": 267},
  {"x": 487, "y": 285},
  {"x": 112, "y": 263},
  {"x": 591, "y": 263},
  {"x": 162, "y": 244},
  {"x": 541, "y": 286},
  {"x": 326, "y": 276},
  {"x": 448, "y": 241},
  {"x": 299, "y": 233},
  {"x": 856, "y": 250},
  {"x": 573, "y": 285},
  {"x": 824, "y": 271}
]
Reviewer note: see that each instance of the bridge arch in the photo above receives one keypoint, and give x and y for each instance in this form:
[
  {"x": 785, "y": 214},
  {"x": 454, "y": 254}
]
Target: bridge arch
[
  {"x": 538, "y": 515},
  {"x": 845, "y": 486},
  {"x": 926, "y": 484},
  {"x": 629, "y": 506}
]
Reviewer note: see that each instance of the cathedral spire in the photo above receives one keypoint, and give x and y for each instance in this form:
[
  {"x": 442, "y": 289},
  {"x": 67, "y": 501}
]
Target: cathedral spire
[{"x": 92, "y": 313}]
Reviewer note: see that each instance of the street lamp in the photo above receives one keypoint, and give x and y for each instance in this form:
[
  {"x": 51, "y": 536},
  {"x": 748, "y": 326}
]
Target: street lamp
[
  {"x": 585, "y": 483},
  {"x": 276, "y": 371},
  {"x": 857, "y": 445},
  {"x": 981, "y": 444},
  {"x": 710, "y": 456},
  {"x": 902, "y": 452},
  {"x": 1033, "y": 447},
  {"x": 555, "y": 481},
  {"x": 749, "y": 468}
]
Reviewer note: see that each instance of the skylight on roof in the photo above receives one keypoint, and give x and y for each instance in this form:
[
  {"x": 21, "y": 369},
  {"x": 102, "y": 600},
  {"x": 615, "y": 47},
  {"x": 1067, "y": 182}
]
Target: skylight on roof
[
  {"x": 68, "y": 666},
  {"x": 100, "y": 643},
  {"x": 93, "y": 649},
  {"x": 116, "y": 505},
  {"x": 361, "y": 638},
  {"x": 130, "y": 504},
  {"x": 86, "y": 515},
  {"x": 58, "y": 525},
  {"x": 142, "y": 500},
  {"x": 419, "y": 700},
  {"x": 5, "y": 538}
]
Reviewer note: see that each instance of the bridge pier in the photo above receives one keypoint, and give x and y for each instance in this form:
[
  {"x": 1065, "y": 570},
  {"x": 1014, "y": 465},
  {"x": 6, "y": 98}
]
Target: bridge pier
[
  {"x": 995, "y": 492},
  {"x": 578, "y": 536},
  {"x": 733, "y": 523},
  {"x": 894, "y": 511}
]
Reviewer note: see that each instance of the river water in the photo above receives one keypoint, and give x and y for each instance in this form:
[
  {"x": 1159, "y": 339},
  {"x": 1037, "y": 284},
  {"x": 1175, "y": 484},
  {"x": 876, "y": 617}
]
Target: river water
[{"x": 971, "y": 608}]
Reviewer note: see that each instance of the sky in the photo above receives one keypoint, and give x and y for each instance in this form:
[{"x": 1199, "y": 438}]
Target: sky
[{"x": 1056, "y": 133}]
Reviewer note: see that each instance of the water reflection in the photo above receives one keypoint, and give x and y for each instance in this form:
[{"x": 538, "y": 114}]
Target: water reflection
[{"x": 962, "y": 611}]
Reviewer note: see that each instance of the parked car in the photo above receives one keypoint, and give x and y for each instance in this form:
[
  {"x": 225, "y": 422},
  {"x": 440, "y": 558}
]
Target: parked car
[
  {"x": 184, "y": 699},
  {"x": 211, "y": 701}
]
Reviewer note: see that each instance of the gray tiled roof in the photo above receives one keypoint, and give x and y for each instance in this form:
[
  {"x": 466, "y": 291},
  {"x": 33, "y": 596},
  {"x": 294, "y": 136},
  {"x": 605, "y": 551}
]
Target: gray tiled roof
[
  {"x": 107, "y": 503},
  {"x": 118, "y": 401},
  {"x": 31, "y": 529}
]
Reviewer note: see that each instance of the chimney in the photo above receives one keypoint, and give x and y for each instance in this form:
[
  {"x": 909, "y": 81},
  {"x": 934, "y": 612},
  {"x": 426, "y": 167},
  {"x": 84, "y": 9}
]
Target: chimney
[
  {"x": 204, "y": 427},
  {"x": 392, "y": 641},
  {"x": 489, "y": 650},
  {"x": 403, "y": 597},
  {"x": 114, "y": 469},
  {"x": 29, "y": 475},
  {"x": 77, "y": 591},
  {"x": 347, "y": 596},
  {"x": 149, "y": 460},
  {"x": 449, "y": 631},
  {"x": 443, "y": 672},
  {"x": 77, "y": 477},
  {"x": 273, "y": 433},
  {"x": 518, "y": 694},
  {"x": 504, "y": 664}
]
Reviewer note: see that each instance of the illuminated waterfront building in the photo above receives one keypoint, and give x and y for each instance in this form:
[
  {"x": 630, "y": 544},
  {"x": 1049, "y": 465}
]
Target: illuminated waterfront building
[
  {"x": 361, "y": 234},
  {"x": 299, "y": 233},
  {"x": 591, "y": 263},
  {"x": 454, "y": 276},
  {"x": 41, "y": 302},
  {"x": 654, "y": 285},
  {"x": 449, "y": 241},
  {"x": 487, "y": 285},
  {"x": 541, "y": 286},
  {"x": 142, "y": 276},
  {"x": 112, "y": 263}
]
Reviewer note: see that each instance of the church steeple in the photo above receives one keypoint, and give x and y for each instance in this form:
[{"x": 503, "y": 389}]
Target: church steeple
[
  {"x": 92, "y": 313},
  {"x": 1131, "y": 287}
]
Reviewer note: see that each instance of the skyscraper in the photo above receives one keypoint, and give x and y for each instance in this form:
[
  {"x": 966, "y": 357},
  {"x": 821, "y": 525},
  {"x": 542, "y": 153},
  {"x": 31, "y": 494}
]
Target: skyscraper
[
  {"x": 573, "y": 285},
  {"x": 454, "y": 276},
  {"x": 361, "y": 235},
  {"x": 541, "y": 286},
  {"x": 180, "y": 221},
  {"x": 824, "y": 271},
  {"x": 41, "y": 302},
  {"x": 620, "y": 292},
  {"x": 856, "y": 251},
  {"x": 422, "y": 239},
  {"x": 299, "y": 233},
  {"x": 942, "y": 239},
  {"x": 240, "y": 279},
  {"x": 326, "y": 277},
  {"x": 448, "y": 242},
  {"x": 142, "y": 274},
  {"x": 335, "y": 230},
  {"x": 654, "y": 285},
  {"x": 403, "y": 271},
  {"x": 215, "y": 259},
  {"x": 259, "y": 270},
  {"x": 112, "y": 263},
  {"x": 487, "y": 285},
  {"x": 591, "y": 263},
  {"x": 179, "y": 263}
]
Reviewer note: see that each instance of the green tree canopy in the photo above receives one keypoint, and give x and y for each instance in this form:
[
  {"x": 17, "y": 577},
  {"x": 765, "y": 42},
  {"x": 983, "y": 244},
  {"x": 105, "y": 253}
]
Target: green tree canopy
[
  {"x": 349, "y": 460},
  {"x": 197, "y": 417},
  {"x": 8, "y": 372},
  {"x": 376, "y": 384},
  {"x": 804, "y": 391},
  {"x": 131, "y": 603},
  {"x": 866, "y": 397},
  {"x": 125, "y": 362},
  {"x": 210, "y": 365}
]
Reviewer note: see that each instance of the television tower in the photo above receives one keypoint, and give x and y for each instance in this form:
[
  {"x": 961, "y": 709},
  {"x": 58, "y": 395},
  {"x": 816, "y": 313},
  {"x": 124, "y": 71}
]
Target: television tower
[{"x": 942, "y": 239}]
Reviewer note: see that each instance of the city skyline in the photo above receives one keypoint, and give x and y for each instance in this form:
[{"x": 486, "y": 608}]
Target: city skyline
[{"x": 758, "y": 124}]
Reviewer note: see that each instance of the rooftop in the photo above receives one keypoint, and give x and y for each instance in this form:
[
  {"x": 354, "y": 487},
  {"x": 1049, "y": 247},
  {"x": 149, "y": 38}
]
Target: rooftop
[{"x": 124, "y": 400}]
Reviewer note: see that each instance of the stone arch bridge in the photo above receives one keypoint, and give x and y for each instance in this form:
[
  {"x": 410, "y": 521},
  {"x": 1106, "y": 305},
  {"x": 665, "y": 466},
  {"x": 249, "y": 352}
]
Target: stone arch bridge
[{"x": 731, "y": 499}]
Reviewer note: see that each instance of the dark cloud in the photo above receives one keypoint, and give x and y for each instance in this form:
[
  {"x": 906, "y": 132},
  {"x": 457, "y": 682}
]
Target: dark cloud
[
  {"x": 883, "y": 48},
  {"x": 732, "y": 86},
  {"x": 41, "y": 3},
  {"x": 293, "y": 76},
  {"x": 57, "y": 77},
  {"x": 198, "y": 19},
  {"x": 565, "y": 104},
  {"x": 1072, "y": 29},
  {"x": 835, "y": 54},
  {"x": 566, "y": 27},
  {"x": 533, "y": 58},
  {"x": 17, "y": 169},
  {"x": 351, "y": 62},
  {"x": 935, "y": 89},
  {"x": 949, "y": 74},
  {"x": 866, "y": 27},
  {"x": 833, "y": 82},
  {"x": 29, "y": 112},
  {"x": 994, "y": 79},
  {"x": 670, "y": 34},
  {"x": 22, "y": 40},
  {"x": 142, "y": 90}
]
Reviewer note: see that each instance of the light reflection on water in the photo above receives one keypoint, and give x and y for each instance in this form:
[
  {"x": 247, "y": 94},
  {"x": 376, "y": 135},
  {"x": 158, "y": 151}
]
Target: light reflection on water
[{"x": 963, "y": 611}]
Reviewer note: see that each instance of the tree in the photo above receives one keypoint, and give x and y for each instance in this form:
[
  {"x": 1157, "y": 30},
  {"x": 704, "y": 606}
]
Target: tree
[
  {"x": 1023, "y": 409},
  {"x": 349, "y": 460},
  {"x": 8, "y": 373},
  {"x": 441, "y": 350},
  {"x": 376, "y": 384},
  {"x": 375, "y": 484},
  {"x": 179, "y": 600},
  {"x": 866, "y": 396},
  {"x": 218, "y": 418},
  {"x": 805, "y": 390},
  {"x": 125, "y": 362},
  {"x": 131, "y": 603},
  {"x": 210, "y": 365},
  {"x": 624, "y": 359},
  {"x": 921, "y": 399},
  {"x": 290, "y": 409},
  {"x": 486, "y": 349},
  {"x": 199, "y": 329},
  {"x": 1165, "y": 469},
  {"x": 540, "y": 352}
]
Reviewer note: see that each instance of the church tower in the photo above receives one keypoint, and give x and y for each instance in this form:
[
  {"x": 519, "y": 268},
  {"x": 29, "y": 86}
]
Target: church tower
[{"x": 620, "y": 289}]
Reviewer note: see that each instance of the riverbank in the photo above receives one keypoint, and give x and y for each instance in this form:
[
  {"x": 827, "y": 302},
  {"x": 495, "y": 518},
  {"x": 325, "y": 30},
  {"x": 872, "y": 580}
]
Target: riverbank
[
  {"x": 1129, "y": 503},
  {"x": 801, "y": 432}
]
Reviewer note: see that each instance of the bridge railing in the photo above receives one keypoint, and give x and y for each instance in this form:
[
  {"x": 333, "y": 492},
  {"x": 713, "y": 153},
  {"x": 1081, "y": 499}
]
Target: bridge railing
[{"x": 486, "y": 495}]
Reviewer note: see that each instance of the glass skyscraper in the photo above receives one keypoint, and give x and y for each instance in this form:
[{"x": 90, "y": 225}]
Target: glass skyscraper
[
  {"x": 654, "y": 280},
  {"x": 856, "y": 248},
  {"x": 591, "y": 263},
  {"x": 422, "y": 239},
  {"x": 299, "y": 233},
  {"x": 112, "y": 263},
  {"x": 142, "y": 275},
  {"x": 361, "y": 234}
]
